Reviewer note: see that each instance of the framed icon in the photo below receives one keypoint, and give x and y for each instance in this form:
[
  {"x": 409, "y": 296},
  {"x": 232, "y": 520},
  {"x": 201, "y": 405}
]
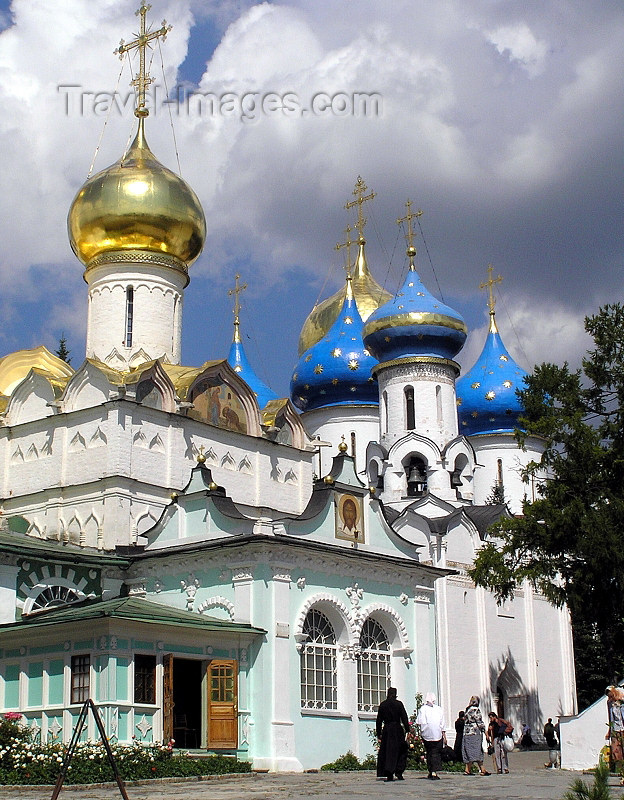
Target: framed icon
[{"x": 349, "y": 517}]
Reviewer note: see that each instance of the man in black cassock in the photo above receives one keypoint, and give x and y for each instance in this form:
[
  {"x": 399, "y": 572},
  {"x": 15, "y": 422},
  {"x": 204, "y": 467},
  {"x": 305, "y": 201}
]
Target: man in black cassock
[{"x": 392, "y": 727}]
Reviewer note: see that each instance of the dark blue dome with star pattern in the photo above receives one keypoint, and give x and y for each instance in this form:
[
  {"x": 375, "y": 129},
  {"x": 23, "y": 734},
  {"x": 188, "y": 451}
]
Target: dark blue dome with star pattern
[
  {"x": 414, "y": 324},
  {"x": 337, "y": 369},
  {"x": 486, "y": 395}
]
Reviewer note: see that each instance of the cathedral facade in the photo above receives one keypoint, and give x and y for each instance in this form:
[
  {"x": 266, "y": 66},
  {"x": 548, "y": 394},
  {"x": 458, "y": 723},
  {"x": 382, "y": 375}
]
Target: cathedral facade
[{"x": 245, "y": 573}]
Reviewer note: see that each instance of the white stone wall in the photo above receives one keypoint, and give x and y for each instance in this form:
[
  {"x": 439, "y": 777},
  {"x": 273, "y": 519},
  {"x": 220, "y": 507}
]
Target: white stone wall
[
  {"x": 489, "y": 448},
  {"x": 100, "y": 476},
  {"x": 435, "y": 406},
  {"x": 157, "y": 312},
  {"x": 331, "y": 423}
]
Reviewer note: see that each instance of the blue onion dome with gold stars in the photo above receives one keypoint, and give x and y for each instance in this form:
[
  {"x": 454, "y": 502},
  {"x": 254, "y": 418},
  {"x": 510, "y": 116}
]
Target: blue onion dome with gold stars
[
  {"x": 237, "y": 357},
  {"x": 414, "y": 324},
  {"x": 486, "y": 394},
  {"x": 337, "y": 369}
]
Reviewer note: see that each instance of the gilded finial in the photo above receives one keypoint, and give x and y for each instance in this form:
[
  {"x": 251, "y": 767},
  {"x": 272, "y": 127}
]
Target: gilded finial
[
  {"x": 409, "y": 236},
  {"x": 489, "y": 285},
  {"x": 142, "y": 79},
  {"x": 342, "y": 447},
  {"x": 346, "y": 244},
  {"x": 360, "y": 198},
  {"x": 201, "y": 458},
  {"x": 236, "y": 291}
]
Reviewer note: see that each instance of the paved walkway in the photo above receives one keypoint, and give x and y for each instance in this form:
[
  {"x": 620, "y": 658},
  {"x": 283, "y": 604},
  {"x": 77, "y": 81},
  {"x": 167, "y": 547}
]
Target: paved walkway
[{"x": 528, "y": 780}]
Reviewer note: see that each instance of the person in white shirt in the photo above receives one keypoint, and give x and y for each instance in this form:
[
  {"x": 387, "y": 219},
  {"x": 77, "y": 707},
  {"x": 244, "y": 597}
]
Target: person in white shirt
[{"x": 430, "y": 720}]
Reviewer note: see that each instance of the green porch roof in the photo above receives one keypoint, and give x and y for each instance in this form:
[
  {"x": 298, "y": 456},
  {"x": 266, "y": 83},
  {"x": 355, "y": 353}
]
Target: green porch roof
[
  {"x": 135, "y": 609},
  {"x": 20, "y": 544}
]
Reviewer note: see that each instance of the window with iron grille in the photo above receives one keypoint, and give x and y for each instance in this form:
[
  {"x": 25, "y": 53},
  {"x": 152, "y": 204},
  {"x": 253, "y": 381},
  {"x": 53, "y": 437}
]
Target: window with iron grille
[
  {"x": 80, "y": 670},
  {"x": 318, "y": 663},
  {"x": 373, "y": 666},
  {"x": 144, "y": 679}
]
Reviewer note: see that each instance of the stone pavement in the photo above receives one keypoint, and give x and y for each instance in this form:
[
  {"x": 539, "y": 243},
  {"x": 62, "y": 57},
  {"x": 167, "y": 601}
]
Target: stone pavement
[{"x": 528, "y": 780}]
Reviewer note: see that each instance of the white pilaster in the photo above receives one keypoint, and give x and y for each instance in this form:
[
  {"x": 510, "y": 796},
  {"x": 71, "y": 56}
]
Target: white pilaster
[{"x": 8, "y": 590}]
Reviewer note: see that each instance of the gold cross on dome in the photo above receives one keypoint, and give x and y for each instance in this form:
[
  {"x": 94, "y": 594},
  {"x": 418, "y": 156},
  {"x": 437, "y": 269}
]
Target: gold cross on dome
[
  {"x": 142, "y": 79},
  {"x": 409, "y": 236},
  {"x": 360, "y": 199},
  {"x": 236, "y": 291},
  {"x": 489, "y": 285},
  {"x": 346, "y": 244}
]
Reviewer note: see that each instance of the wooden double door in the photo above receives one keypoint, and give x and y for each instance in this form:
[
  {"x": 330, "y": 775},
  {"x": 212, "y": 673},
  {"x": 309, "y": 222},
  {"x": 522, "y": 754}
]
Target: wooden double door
[{"x": 182, "y": 702}]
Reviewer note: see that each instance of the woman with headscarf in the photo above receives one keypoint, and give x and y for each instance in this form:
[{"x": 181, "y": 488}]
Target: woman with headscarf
[
  {"x": 472, "y": 740},
  {"x": 392, "y": 727},
  {"x": 430, "y": 720}
]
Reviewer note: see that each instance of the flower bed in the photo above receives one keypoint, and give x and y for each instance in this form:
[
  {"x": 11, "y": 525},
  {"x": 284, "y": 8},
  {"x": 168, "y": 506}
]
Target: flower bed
[{"x": 24, "y": 761}]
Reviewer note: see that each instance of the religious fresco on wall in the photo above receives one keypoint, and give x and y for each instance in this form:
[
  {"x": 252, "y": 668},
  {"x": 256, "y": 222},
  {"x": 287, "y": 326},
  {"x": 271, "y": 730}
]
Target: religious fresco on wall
[
  {"x": 216, "y": 403},
  {"x": 349, "y": 517}
]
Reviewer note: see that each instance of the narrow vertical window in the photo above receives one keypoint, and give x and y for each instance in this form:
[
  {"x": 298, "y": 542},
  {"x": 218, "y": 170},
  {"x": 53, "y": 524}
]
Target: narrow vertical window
[
  {"x": 410, "y": 419},
  {"x": 144, "y": 679},
  {"x": 439, "y": 404},
  {"x": 129, "y": 315},
  {"x": 499, "y": 471},
  {"x": 80, "y": 669},
  {"x": 385, "y": 411},
  {"x": 353, "y": 444}
]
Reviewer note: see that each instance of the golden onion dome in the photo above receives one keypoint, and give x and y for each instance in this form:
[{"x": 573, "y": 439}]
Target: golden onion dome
[
  {"x": 368, "y": 295},
  {"x": 137, "y": 204}
]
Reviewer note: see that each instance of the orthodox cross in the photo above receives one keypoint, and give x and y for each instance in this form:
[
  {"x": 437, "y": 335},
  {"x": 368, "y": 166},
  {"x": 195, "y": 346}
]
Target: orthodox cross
[
  {"x": 411, "y": 250},
  {"x": 489, "y": 285},
  {"x": 360, "y": 199},
  {"x": 346, "y": 244},
  {"x": 142, "y": 80},
  {"x": 236, "y": 291}
]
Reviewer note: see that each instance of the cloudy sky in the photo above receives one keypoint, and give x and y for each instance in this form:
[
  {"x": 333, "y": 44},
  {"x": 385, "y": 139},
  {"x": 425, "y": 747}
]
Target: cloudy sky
[{"x": 502, "y": 121}]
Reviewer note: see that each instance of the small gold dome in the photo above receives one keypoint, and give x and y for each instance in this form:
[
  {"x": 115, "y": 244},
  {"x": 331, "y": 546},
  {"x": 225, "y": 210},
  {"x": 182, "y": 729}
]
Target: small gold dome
[
  {"x": 368, "y": 296},
  {"x": 137, "y": 204}
]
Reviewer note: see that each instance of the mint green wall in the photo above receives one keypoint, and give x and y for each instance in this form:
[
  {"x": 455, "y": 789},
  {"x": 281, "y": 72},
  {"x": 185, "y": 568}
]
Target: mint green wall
[
  {"x": 122, "y": 678},
  {"x": 122, "y": 727},
  {"x": 35, "y": 683},
  {"x": 11, "y": 685},
  {"x": 55, "y": 681}
]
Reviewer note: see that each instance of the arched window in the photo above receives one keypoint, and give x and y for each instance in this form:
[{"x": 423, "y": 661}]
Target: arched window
[
  {"x": 318, "y": 663},
  {"x": 410, "y": 416},
  {"x": 53, "y": 596},
  {"x": 373, "y": 666}
]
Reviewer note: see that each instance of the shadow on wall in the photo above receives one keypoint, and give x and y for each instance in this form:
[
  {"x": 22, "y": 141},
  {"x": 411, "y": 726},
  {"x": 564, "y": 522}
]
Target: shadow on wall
[{"x": 514, "y": 701}]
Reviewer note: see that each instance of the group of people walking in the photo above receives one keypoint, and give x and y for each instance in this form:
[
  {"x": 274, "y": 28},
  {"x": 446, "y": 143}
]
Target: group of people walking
[{"x": 393, "y": 726}]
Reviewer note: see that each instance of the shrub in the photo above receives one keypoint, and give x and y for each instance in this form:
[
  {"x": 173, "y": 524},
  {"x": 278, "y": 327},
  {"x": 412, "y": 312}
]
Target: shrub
[
  {"x": 23, "y": 761},
  {"x": 349, "y": 762}
]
